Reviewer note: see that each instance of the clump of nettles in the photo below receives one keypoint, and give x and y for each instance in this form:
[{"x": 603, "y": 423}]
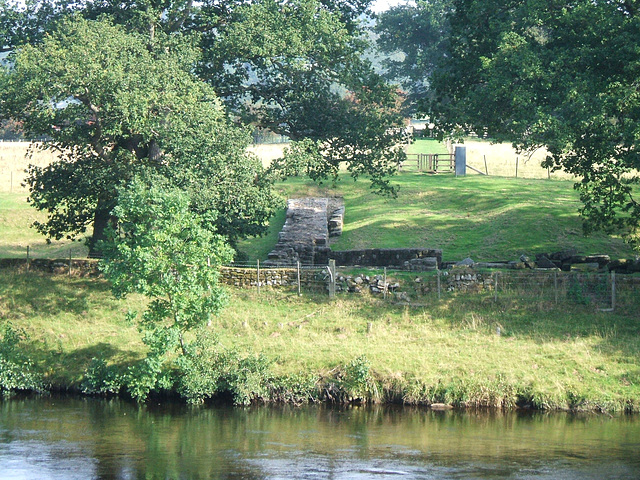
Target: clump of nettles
[{"x": 16, "y": 369}]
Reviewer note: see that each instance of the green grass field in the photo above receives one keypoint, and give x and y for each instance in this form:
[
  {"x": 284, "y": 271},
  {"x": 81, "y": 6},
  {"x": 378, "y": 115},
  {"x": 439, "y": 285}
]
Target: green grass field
[
  {"x": 486, "y": 218},
  {"x": 559, "y": 357}
]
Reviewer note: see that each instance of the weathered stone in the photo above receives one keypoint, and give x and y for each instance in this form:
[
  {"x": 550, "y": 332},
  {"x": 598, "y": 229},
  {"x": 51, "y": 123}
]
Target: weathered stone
[
  {"x": 601, "y": 260},
  {"x": 634, "y": 267},
  {"x": 467, "y": 262},
  {"x": 562, "y": 255},
  {"x": 586, "y": 267},
  {"x": 385, "y": 257},
  {"x": 544, "y": 262},
  {"x": 620, "y": 266},
  {"x": 305, "y": 234},
  {"x": 492, "y": 265}
]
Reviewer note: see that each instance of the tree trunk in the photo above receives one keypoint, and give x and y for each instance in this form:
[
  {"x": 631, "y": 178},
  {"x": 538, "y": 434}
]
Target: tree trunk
[{"x": 102, "y": 218}]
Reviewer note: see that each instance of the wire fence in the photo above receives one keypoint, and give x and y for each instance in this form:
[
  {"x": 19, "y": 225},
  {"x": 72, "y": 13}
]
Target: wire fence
[{"x": 601, "y": 291}]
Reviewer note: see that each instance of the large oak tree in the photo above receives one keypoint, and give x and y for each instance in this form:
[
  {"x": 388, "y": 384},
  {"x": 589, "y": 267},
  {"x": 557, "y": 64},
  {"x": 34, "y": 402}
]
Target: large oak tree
[
  {"x": 294, "y": 67},
  {"x": 113, "y": 108}
]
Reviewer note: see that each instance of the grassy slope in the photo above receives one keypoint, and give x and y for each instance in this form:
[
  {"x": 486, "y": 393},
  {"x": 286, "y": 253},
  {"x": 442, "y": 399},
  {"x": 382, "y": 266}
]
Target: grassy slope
[
  {"x": 555, "y": 355},
  {"x": 16, "y": 216},
  {"x": 486, "y": 218}
]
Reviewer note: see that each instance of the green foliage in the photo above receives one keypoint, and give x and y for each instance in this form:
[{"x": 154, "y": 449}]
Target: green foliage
[
  {"x": 353, "y": 383},
  {"x": 113, "y": 108},
  {"x": 308, "y": 82},
  {"x": 295, "y": 389},
  {"x": 16, "y": 368},
  {"x": 294, "y": 67},
  {"x": 162, "y": 251},
  {"x": 414, "y": 38},
  {"x": 101, "y": 379},
  {"x": 555, "y": 75},
  {"x": 207, "y": 370}
]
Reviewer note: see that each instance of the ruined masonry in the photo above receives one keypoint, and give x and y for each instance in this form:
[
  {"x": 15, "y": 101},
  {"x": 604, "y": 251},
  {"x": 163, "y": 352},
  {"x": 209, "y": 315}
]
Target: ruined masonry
[{"x": 305, "y": 235}]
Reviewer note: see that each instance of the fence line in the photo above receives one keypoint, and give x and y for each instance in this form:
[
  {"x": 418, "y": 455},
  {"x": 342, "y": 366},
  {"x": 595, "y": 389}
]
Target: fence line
[{"x": 603, "y": 291}]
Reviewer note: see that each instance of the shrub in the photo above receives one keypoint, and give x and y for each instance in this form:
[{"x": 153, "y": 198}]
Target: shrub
[
  {"x": 101, "y": 379},
  {"x": 207, "y": 370},
  {"x": 16, "y": 369}
]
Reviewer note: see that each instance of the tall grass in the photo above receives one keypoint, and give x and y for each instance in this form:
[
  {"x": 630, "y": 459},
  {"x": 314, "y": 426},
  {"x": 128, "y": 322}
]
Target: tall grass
[{"x": 448, "y": 352}]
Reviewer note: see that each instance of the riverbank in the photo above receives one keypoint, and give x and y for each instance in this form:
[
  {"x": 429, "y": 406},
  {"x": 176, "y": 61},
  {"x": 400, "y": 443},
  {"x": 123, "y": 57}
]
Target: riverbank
[{"x": 469, "y": 352}]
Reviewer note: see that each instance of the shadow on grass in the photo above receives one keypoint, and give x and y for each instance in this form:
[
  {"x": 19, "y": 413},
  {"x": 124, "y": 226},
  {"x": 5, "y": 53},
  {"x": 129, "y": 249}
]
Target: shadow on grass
[
  {"x": 68, "y": 368},
  {"x": 28, "y": 293}
]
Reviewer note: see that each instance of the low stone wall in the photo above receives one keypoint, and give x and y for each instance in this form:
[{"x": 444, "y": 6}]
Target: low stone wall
[
  {"x": 270, "y": 277},
  {"x": 419, "y": 259},
  {"x": 57, "y": 266}
]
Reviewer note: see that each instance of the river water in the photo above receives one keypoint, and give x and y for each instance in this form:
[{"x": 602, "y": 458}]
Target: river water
[{"x": 84, "y": 438}]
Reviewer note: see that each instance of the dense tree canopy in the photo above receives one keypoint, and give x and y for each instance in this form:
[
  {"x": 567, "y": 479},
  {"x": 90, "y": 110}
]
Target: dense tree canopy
[
  {"x": 294, "y": 67},
  {"x": 414, "y": 39},
  {"x": 114, "y": 108},
  {"x": 563, "y": 75},
  {"x": 557, "y": 74}
]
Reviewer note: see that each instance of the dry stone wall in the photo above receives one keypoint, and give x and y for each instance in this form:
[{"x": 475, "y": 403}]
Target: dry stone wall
[
  {"x": 417, "y": 259},
  {"x": 305, "y": 235},
  {"x": 270, "y": 277}
]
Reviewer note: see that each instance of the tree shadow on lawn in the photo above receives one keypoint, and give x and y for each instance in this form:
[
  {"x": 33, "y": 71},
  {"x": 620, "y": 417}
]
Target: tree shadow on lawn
[
  {"x": 28, "y": 293},
  {"x": 64, "y": 367}
]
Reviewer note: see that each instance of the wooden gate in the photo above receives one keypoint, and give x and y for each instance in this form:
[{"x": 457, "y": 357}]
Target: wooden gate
[{"x": 429, "y": 162}]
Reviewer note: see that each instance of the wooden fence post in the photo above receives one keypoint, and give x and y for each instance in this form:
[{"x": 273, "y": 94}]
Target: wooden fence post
[
  {"x": 384, "y": 292},
  {"x": 258, "y": 276},
  {"x": 299, "y": 290},
  {"x": 613, "y": 291},
  {"x": 332, "y": 278},
  {"x": 438, "y": 270}
]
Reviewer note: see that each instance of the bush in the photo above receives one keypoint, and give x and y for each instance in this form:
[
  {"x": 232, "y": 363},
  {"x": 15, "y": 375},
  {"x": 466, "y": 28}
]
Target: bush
[
  {"x": 207, "y": 370},
  {"x": 295, "y": 389},
  {"x": 16, "y": 369},
  {"x": 353, "y": 383},
  {"x": 101, "y": 379}
]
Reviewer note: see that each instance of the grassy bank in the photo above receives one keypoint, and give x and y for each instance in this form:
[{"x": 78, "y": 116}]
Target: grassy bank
[
  {"x": 449, "y": 352},
  {"x": 486, "y": 218}
]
